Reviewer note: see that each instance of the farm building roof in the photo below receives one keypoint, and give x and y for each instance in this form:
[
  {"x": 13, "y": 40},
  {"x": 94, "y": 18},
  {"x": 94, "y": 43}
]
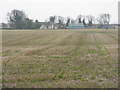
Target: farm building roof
[{"x": 75, "y": 25}]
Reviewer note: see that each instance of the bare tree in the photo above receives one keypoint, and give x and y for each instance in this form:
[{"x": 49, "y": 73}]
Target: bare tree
[
  {"x": 72, "y": 20},
  {"x": 104, "y": 19},
  {"x": 90, "y": 20},
  {"x": 68, "y": 21},
  {"x": 61, "y": 20},
  {"x": 79, "y": 18},
  {"x": 84, "y": 22},
  {"x": 107, "y": 18},
  {"x": 52, "y": 19}
]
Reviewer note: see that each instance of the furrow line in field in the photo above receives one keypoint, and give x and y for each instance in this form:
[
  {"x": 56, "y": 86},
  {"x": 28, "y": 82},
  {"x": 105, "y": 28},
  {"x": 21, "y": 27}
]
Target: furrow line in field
[
  {"x": 39, "y": 51},
  {"x": 80, "y": 45},
  {"x": 27, "y": 39},
  {"x": 65, "y": 40},
  {"x": 59, "y": 48},
  {"x": 14, "y": 39},
  {"x": 51, "y": 39},
  {"x": 100, "y": 44},
  {"x": 114, "y": 37}
]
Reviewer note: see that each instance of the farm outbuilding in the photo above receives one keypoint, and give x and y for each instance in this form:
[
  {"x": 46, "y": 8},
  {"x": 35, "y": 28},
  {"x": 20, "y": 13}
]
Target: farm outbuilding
[
  {"x": 105, "y": 26},
  {"x": 75, "y": 25}
]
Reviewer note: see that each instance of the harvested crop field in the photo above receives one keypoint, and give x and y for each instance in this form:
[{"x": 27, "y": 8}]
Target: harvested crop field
[{"x": 60, "y": 58}]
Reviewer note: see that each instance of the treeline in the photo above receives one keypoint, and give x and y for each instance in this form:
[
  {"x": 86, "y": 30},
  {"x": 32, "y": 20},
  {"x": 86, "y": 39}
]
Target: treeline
[{"x": 17, "y": 19}]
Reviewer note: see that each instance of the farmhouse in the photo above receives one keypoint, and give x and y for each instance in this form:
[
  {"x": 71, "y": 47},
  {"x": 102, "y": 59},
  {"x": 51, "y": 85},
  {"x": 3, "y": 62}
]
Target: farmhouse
[
  {"x": 104, "y": 26},
  {"x": 75, "y": 26},
  {"x": 47, "y": 25}
]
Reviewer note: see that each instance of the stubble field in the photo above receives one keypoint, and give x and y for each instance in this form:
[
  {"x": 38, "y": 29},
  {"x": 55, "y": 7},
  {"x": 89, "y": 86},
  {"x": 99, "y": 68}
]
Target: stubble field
[{"x": 60, "y": 58}]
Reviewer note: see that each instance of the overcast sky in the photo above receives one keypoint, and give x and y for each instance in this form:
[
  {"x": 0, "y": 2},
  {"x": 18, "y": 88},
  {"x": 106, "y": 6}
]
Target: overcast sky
[{"x": 42, "y": 9}]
